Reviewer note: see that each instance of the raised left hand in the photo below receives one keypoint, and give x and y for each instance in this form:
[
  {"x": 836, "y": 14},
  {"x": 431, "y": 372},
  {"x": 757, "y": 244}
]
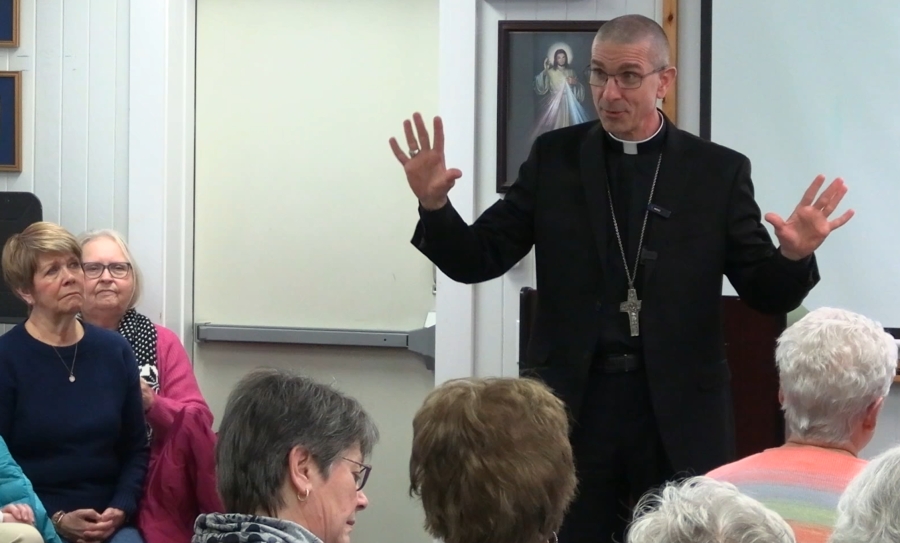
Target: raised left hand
[{"x": 808, "y": 226}]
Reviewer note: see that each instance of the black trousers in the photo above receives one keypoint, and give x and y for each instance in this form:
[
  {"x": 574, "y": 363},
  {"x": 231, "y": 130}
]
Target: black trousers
[{"x": 618, "y": 455}]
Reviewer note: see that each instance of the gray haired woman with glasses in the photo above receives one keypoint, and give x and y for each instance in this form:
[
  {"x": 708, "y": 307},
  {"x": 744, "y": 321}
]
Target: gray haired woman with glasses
[
  {"x": 112, "y": 289},
  {"x": 169, "y": 390},
  {"x": 290, "y": 462}
]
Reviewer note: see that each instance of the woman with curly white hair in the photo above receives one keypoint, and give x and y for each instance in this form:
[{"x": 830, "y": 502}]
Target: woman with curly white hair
[
  {"x": 835, "y": 369},
  {"x": 869, "y": 510},
  {"x": 703, "y": 510}
]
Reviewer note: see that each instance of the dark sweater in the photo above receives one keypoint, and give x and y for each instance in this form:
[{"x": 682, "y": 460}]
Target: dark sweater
[{"x": 82, "y": 444}]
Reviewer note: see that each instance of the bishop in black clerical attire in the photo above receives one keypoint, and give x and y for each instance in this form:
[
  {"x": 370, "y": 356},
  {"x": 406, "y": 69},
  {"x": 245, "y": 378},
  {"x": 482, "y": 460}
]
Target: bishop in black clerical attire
[{"x": 634, "y": 222}]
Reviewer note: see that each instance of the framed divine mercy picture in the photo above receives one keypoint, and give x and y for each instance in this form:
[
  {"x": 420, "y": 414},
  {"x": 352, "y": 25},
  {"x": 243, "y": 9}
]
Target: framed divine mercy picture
[{"x": 541, "y": 85}]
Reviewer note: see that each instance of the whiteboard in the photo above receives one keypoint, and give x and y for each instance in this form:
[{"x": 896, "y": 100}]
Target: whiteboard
[
  {"x": 303, "y": 216},
  {"x": 808, "y": 87}
]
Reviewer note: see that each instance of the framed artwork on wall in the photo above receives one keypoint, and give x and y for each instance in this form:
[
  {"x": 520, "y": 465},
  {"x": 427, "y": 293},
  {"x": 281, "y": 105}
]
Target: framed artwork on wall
[
  {"x": 9, "y": 23},
  {"x": 10, "y": 121},
  {"x": 541, "y": 85}
]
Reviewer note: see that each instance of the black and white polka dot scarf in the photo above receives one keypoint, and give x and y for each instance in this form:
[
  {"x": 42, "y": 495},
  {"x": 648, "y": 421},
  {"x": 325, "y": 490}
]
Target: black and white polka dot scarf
[{"x": 141, "y": 334}]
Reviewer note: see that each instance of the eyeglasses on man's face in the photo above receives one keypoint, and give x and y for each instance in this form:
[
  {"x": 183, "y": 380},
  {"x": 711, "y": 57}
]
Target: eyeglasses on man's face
[{"x": 629, "y": 79}]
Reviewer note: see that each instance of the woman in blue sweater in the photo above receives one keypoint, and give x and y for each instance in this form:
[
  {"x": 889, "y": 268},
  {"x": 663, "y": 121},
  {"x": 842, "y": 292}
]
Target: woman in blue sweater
[{"x": 70, "y": 396}]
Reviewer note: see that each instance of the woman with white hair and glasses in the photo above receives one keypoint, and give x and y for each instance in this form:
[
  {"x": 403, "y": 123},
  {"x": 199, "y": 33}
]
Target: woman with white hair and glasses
[
  {"x": 113, "y": 286},
  {"x": 703, "y": 510},
  {"x": 835, "y": 368},
  {"x": 290, "y": 461},
  {"x": 179, "y": 486},
  {"x": 869, "y": 510}
]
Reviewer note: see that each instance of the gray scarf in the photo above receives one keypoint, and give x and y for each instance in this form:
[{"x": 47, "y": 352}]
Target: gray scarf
[{"x": 236, "y": 528}]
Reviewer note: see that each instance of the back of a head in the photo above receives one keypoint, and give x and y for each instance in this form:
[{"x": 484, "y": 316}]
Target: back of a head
[
  {"x": 631, "y": 29},
  {"x": 869, "y": 509},
  {"x": 704, "y": 510},
  {"x": 833, "y": 364},
  {"x": 491, "y": 461}
]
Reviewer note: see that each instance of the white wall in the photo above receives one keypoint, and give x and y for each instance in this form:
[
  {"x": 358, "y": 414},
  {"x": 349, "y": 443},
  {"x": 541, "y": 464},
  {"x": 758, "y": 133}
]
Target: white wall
[
  {"x": 105, "y": 146},
  {"x": 74, "y": 64},
  {"x": 810, "y": 123},
  {"x": 301, "y": 208},
  {"x": 161, "y": 157},
  {"x": 806, "y": 122},
  {"x": 75, "y": 111}
]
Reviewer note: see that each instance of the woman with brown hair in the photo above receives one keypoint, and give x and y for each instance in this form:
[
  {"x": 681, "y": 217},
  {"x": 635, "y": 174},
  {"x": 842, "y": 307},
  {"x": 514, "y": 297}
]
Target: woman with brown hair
[
  {"x": 70, "y": 398},
  {"x": 491, "y": 461}
]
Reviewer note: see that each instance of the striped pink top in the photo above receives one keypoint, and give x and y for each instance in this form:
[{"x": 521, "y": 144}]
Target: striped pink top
[{"x": 801, "y": 483}]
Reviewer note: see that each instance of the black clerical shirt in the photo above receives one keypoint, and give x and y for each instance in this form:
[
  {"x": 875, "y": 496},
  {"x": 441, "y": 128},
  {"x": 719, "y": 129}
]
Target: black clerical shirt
[{"x": 630, "y": 178}]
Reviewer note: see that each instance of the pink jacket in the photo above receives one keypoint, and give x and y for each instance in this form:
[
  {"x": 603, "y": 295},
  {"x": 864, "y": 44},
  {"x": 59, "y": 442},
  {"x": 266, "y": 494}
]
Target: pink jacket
[
  {"x": 181, "y": 478},
  {"x": 177, "y": 387}
]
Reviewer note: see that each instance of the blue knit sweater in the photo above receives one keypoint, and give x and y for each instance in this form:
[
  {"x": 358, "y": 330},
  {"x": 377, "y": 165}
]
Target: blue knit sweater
[{"x": 82, "y": 444}]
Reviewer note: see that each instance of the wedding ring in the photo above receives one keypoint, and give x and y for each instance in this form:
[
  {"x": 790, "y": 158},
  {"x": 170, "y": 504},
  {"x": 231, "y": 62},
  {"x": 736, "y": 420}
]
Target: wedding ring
[{"x": 413, "y": 152}]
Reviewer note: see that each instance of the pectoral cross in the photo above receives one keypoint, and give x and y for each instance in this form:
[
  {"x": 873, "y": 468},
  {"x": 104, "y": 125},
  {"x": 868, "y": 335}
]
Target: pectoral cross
[{"x": 632, "y": 306}]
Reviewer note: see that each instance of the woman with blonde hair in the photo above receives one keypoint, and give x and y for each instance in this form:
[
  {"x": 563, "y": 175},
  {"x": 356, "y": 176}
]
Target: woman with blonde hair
[
  {"x": 491, "y": 461},
  {"x": 70, "y": 402}
]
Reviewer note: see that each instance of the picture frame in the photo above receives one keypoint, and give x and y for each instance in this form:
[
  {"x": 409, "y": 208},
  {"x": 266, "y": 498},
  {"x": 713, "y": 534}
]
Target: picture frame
[
  {"x": 10, "y": 121},
  {"x": 533, "y": 96},
  {"x": 10, "y": 11}
]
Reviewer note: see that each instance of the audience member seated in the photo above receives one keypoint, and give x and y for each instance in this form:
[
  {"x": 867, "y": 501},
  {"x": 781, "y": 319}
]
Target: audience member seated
[
  {"x": 17, "y": 525},
  {"x": 703, "y": 510},
  {"x": 175, "y": 493},
  {"x": 869, "y": 510},
  {"x": 290, "y": 461},
  {"x": 70, "y": 398},
  {"x": 23, "y": 518},
  {"x": 491, "y": 461},
  {"x": 835, "y": 368}
]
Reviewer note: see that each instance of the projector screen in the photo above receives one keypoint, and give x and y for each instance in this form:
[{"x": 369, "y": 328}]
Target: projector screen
[{"x": 807, "y": 87}]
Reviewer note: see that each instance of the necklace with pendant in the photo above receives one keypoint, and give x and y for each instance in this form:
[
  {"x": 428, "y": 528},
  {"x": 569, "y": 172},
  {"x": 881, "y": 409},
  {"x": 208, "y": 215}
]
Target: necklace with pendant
[
  {"x": 68, "y": 369},
  {"x": 632, "y": 305}
]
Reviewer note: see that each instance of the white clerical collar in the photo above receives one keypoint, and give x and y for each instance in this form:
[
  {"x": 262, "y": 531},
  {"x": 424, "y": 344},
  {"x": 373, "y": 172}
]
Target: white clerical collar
[{"x": 631, "y": 147}]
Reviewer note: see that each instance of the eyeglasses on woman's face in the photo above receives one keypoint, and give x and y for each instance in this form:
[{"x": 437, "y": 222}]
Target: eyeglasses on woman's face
[
  {"x": 362, "y": 475},
  {"x": 117, "y": 270}
]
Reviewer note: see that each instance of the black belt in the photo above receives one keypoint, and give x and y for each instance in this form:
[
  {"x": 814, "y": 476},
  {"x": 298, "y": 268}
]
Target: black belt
[{"x": 619, "y": 363}]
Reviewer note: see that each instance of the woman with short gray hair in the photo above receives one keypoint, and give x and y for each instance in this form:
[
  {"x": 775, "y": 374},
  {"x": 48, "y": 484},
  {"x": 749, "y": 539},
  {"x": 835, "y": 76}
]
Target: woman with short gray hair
[
  {"x": 290, "y": 462},
  {"x": 869, "y": 510},
  {"x": 703, "y": 510},
  {"x": 836, "y": 368}
]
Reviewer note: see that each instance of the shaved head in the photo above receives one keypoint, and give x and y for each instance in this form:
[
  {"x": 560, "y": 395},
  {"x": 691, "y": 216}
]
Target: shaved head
[{"x": 634, "y": 29}]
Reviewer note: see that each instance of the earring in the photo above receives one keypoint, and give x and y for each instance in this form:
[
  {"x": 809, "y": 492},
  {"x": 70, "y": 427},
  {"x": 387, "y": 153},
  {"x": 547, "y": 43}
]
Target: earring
[{"x": 304, "y": 498}]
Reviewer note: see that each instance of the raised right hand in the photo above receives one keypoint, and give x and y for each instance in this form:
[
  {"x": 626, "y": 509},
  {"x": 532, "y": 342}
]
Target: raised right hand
[{"x": 426, "y": 172}]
